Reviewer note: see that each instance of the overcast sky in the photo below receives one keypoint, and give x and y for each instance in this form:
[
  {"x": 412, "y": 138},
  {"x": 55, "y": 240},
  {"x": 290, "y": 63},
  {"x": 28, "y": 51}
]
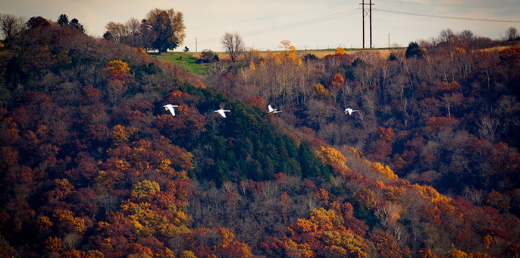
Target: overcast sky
[{"x": 307, "y": 24}]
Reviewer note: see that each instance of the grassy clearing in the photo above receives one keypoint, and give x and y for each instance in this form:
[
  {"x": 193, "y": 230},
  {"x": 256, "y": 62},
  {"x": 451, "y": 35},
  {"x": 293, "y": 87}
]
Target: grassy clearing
[
  {"x": 182, "y": 59},
  {"x": 188, "y": 60}
]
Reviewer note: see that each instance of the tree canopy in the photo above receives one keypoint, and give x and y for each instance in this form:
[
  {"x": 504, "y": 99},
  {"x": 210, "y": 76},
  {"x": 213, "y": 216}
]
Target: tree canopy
[
  {"x": 169, "y": 28},
  {"x": 91, "y": 165}
]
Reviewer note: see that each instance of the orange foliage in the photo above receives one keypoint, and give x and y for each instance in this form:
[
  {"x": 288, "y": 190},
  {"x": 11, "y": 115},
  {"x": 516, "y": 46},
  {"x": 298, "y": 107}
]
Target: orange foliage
[
  {"x": 426, "y": 253},
  {"x": 122, "y": 134},
  {"x": 334, "y": 158},
  {"x": 62, "y": 189},
  {"x": 135, "y": 248},
  {"x": 386, "y": 244},
  {"x": 430, "y": 194},
  {"x": 385, "y": 134},
  {"x": 498, "y": 201},
  {"x": 293, "y": 249},
  {"x": 386, "y": 171},
  {"x": 337, "y": 82},
  {"x": 144, "y": 188},
  {"x": 303, "y": 226},
  {"x": 73, "y": 253},
  {"x": 119, "y": 71},
  {"x": 281, "y": 178},
  {"x": 340, "y": 51},
  {"x": 117, "y": 65},
  {"x": 365, "y": 198},
  {"x": 9, "y": 157},
  {"x": 398, "y": 163},
  {"x": 229, "y": 247},
  {"x": 255, "y": 101},
  {"x": 510, "y": 56},
  {"x": 187, "y": 121},
  {"x": 323, "y": 196},
  {"x": 320, "y": 91},
  {"x": 451, "y": 86},
  {"x": 175, "y": 96},
  {"x": 65, "y": 220},
  {"x": 457, "y": 254},
  {"x": 53, "y": 244},
  {"x": 324, "y": 232},
  {"x": 287, "y": 55}
]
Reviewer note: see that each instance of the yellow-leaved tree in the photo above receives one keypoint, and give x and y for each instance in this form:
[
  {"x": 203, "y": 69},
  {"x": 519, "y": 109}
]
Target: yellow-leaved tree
[
  {"x": 340, "y": 51},
  {"x": 333, "y": 158}
]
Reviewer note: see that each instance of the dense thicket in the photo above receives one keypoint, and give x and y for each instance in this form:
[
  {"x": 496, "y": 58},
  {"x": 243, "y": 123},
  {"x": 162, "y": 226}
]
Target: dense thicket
[
  {"x": 92, "y": 165},
  {"x": 90, "y": 156},
  {"x": 451, "y": 106}
]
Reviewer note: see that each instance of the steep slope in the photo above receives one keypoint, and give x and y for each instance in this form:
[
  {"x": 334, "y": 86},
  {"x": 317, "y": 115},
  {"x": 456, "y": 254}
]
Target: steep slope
[{"x": 93, "y": 165}]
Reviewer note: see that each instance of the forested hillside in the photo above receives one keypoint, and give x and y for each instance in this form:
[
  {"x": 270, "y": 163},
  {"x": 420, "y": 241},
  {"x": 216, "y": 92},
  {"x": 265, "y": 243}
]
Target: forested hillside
[
  {"x": 445, "y": 114},
  {"x": 92, "y": 165}
]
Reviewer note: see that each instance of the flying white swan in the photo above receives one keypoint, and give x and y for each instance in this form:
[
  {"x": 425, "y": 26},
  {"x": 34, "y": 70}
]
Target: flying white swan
[
  {"x": 170, "y": 107},
  {"x": 350, "y": 111},
  {"x": 222, "y": 112},
  {"x": 272, "y": 110}
]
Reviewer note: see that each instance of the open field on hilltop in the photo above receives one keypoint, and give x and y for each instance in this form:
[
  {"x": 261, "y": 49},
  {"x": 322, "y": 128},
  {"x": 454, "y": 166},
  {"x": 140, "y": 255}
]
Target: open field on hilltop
[
  {"x": 188, "y": 59},
  {"x": 320, "y": 53}
]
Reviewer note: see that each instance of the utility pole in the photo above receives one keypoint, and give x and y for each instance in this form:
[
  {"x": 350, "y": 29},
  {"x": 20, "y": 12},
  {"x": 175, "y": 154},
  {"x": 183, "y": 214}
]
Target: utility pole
[
  {"x": 370, "y": 15},
  {"x": 196, "y": 45},
  {"x": 363, "y": 14}
]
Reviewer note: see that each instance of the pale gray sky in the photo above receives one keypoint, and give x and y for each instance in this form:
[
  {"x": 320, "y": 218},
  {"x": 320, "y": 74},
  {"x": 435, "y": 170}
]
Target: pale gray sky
[{"x": 307, "y": 24}]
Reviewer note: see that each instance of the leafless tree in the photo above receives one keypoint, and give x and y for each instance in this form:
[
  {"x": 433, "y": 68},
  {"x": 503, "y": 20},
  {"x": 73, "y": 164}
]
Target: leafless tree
[
  {"x": 108, "y": 202},
  {"x": 233, "y": 44},
  {"x": 71, "y": 241},
  {"x": 512, "y": 33},
  {"x": 473, "y": 195},
  {"x": 487, "y": 128},
  {"x": 11, "y": 26},
  {"x": 116, "y": 32},
  {"x": 446, "y": 35},
  {"x": 228, "y": 187},
  {"x": 451, "y": 100},
  {"x": 133, "y": 25},
  {"x": 466, "y": 35},
  {"x": 337, "y": 181}
]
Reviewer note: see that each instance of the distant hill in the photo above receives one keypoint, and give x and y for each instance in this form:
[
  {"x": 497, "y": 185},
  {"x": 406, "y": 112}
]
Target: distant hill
[{"x": 92, "y": 165}]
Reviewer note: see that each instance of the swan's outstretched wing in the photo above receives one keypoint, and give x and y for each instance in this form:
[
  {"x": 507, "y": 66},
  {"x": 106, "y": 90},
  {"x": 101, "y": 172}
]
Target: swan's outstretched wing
[
  {"x": 270, "y": 108},
  {"x": 350, "y": 111},
  {"x": 222, "y": 112},
  {"x": 171, "y": 108}
]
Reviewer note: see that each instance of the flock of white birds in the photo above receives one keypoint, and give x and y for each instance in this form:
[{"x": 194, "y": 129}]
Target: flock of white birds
[{"x": 222, "y": 112}]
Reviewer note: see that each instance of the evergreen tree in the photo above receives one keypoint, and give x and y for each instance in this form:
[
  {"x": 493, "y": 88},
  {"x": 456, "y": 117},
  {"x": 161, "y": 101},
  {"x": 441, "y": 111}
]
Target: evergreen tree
[
  {"x": 413, "y": 50},
  {"x": 63, "y": 19}
]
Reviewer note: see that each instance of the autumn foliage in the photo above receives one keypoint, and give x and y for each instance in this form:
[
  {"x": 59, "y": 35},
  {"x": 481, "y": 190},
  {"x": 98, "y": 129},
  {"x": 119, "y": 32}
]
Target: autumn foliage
[{"x": 92, "y": 165}]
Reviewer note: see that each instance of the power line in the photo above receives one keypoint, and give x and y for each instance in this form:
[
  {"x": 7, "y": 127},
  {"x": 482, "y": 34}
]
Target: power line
[
  {"x": 444, "y": 17},
  {"x": 303, "y": 23},
  {"x": 268, "y": 17},
  {"x": 465, "y": 6},
  {"x": 289, "y": 26}
]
